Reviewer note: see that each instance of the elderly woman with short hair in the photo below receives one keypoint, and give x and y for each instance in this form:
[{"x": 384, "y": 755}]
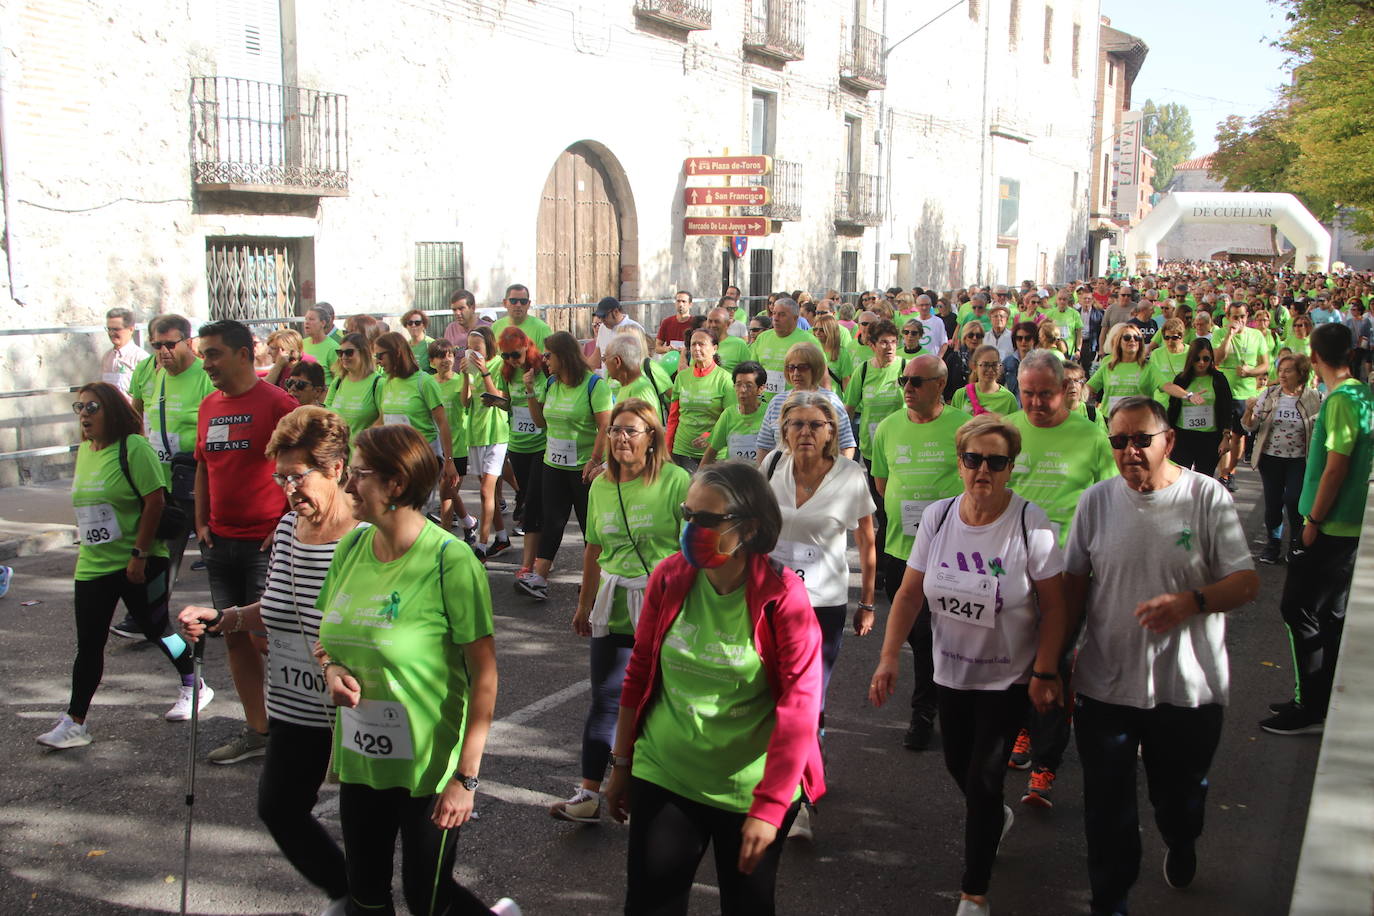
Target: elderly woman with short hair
[{"x": 285, "y": 349}]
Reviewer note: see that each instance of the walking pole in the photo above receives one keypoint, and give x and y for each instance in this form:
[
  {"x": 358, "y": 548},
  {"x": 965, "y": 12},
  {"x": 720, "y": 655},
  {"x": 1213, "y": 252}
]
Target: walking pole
[{"x": 197, "y": 660}]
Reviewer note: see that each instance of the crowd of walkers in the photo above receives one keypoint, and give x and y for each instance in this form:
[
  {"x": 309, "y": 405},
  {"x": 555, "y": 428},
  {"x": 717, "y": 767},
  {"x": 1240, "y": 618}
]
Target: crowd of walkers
[{"x": 1035, "y": 478}]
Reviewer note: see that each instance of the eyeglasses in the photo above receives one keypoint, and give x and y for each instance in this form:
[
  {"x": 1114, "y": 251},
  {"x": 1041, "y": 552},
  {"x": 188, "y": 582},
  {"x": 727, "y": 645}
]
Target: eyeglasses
[
  {"x": 86, "y": 407},
  {"x": 166, "y": 344},
  {"x": 522, "y": 301},
  {"x": 798, "y": 367},
  {"x": 706, "y": 519},
  {"x": 360, "y": 473},
  {"x": 110, "y": 330},
  {"x": 1173, "y": 336},
  {"x": 815, "y": 426},
  {"x": 294, "y": 480},
  {"x": 297, "y": 384},
  {"x": 1139, "y": 440},
  {"x": 916, "y": 381},
  {"x": 989, "y": 365},
  {"x": 974, "y": 460},
  {"x": 1203, "y": 359},
  {"x": 911, "y": 333},
  {"x": 628, "y": 432},
  {"x": 347, "y": 351},
  {"x": 511, "y": 354},
  {"x": 415, "y": 322},
  {"x": 754, "y": 330}
]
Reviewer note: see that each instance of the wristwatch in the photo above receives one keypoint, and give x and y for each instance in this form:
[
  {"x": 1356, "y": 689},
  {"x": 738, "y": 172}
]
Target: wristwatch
[
  {"x": 467, "y": 782},
  {"x": 138, "y": 554}
]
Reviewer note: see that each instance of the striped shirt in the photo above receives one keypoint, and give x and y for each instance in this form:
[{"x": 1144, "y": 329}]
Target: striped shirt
[{"x": 295, "y": 574}]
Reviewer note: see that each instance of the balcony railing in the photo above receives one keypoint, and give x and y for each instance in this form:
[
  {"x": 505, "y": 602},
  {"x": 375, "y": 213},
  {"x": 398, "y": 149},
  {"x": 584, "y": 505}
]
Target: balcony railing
[
  {"x": 265, "y": 138},
  {"x": 776, "y": 29},
  {"x": 858, "y": 199},
  {"x": 784, "y": 184},
  {"x": 861, "y": 58},
  {"x": 680, "y": 14}
]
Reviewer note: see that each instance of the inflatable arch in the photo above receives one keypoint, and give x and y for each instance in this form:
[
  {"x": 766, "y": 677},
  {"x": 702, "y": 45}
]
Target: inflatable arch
[{"x": 1284, "y": 211}]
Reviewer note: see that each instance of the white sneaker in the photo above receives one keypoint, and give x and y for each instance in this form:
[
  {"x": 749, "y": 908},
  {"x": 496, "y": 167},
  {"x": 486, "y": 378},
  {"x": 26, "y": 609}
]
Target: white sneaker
[
  {"x": 584, "y": 807},
  {"x": 506, "y": 907},
  {"x": 802, "y": 826},
  {"x": 181, "y": 709},
  {"x": 65, "y": 734},
  {"x": 336, "y": 907},
  {"x": 969, "y": 908}
]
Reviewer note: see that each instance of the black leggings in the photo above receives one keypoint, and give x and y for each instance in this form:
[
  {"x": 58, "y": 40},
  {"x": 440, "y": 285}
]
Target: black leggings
[
  {"x": 1196, "y": 451},
  {"x": 610, "y": 654},
  {"x": 95, "y": 605},
  {"x": 371, "y": 818},
  {"x": 528, "y": 468},
  {"x": 980, "y": 727},
  {"x": 1282, "y": 479},
  {"x": 563, "y": 491},
  {"x": 669, "y": 835},
  {"x": 297, "y": 759}
]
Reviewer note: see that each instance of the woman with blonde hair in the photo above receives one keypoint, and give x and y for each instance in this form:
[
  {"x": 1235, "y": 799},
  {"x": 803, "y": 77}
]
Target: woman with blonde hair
[
  {"x": 286, "y": 349},
  {"x": 355, "y": 394},
  {"x": 1167, "y": 361},
  {"x": 1122, "y": 373},
  {"x": 634, "y": 515},
  {"x": 805, "y": 367},
  {"x": 827, "y": 332},
  {"x": 1051, "y": 339}
]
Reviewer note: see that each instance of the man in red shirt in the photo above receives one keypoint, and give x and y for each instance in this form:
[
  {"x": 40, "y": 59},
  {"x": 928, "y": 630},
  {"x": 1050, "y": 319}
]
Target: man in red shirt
[
  {"x": 238, "y": 506},
  {"x": 672, "y": 331}
]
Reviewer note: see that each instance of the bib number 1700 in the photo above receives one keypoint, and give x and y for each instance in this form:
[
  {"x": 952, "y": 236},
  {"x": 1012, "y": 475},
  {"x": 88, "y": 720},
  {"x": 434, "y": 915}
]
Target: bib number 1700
[{"x": 973, "y": 610}]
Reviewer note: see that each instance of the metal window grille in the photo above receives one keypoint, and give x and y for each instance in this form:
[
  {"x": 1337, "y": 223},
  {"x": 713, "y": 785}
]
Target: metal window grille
[
  {"x": 760, "y": 275},
  {"x": 861, "y": 58},
  {"x": 858, "y": 199},
  {"x": 777, "y": 29},
  {"x": 849, "y": 275},
  {"x": 682, "y": 14},
  {"x": 785, "y": 191},
  {"x": 251, "y": 279},
  {"x": 438, "y": 275}
]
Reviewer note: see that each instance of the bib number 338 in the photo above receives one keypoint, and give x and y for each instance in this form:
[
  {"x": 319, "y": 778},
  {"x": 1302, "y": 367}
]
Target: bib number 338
[
  {"x": 964, "y": 596},
  {"x": 377, "y": 729}
]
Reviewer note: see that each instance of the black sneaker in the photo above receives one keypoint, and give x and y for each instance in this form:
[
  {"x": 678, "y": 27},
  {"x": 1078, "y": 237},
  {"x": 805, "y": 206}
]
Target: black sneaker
[
  {"x": 1299, "y": 720},
  {"x": 198, "y": 566},
  {"x": 1273, "y": 550},
  {"x": 470, "y": 535},
  {"x": 128, "y": 628},
  {"x": 497, "y": 546},
  {"x": 1277, "y": 708},
  {"x": 1180, "y": 866},
  {"x": 917, "y": 737},
  {"x": 1229, "y": 483}
]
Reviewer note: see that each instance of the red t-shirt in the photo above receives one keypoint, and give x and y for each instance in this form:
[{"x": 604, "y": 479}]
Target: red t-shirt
[
  {"x": 670, "y": 329},
  {"x": 231, "y": 438}
]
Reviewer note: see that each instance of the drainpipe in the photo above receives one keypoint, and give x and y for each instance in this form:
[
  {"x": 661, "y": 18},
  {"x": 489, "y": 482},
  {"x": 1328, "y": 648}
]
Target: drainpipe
[
  {"x": 983, "y": 144},
  {"x": 6, "y": 161},
  {"x": 884, "y": 164}
]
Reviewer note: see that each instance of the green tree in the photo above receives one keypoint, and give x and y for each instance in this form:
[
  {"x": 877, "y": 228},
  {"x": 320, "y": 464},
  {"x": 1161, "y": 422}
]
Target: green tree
[{"x": 1169, "y": 136}]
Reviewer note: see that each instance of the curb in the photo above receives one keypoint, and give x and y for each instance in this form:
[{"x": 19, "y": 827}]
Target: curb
[{"x": 30, "y": 543}]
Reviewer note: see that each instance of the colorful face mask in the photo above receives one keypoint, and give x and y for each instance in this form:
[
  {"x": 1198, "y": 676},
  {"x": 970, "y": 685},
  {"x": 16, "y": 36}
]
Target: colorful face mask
[{"x": 700, "y": 546}]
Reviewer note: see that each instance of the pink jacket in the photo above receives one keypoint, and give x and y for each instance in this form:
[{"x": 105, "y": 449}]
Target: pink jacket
[{"x": 788, "y": 640}]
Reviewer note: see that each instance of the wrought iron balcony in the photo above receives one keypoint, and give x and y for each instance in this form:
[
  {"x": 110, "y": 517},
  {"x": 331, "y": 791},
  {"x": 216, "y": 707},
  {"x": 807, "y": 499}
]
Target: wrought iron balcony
[
  {"x": 858, "y": 199},
  {"x": 784, "y": 184},
  {"x": 687, "y": 15},
  {"x": 776, "y": 29},
  {"x": 861, "y": 58},
  {"x": 268, "y": 139}
]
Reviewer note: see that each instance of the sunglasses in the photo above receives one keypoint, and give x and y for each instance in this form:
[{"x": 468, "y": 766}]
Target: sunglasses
[
  {"x": 973, "y": 337},
  {"x": 86, "y": 407},
  {"x": 297, "y": 384},
  {"x": 511, "y": 354},
  {"x": 973, "y": 461},
  {"x": 1139, "y": 440},
  {"x": 916, "y": 381},
  {"x": 1126, "y": 338},
  {"x": 166, "y": 344},
  {"x": 522, "y": 301},
  {"x": 1022, "y": 337},
  {"x": 1173, "y": 336},
  {"x": 706, "y": 519},
  {"x": 1203, "y": 359},
  {"x": 414, "y": 322},
  {"x": 347, "y": 351},
  {"x": 911, "y": 333}
]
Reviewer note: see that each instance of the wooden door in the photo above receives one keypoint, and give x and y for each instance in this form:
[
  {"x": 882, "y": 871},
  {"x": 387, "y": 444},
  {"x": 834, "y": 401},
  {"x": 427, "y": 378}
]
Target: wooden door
[{"x": 578, "y": 245}]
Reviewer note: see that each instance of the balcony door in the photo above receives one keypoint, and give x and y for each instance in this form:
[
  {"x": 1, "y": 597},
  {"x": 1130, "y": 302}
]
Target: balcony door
[{"x": 249, "y": 54}]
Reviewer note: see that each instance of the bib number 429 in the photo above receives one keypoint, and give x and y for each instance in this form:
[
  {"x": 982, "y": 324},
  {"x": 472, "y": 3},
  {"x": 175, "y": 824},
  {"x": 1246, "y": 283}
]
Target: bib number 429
[{"x": 371, "y": 745}]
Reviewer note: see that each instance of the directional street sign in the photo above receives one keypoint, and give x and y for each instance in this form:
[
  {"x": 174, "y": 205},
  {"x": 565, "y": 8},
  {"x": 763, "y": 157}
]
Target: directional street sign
[
  {"x": 725, "y": 225},
  {"x": 750, "y": 196},
  {"x": 728, "y": 165}
]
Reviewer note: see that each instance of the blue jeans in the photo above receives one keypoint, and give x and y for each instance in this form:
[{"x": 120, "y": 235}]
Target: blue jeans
[
  {"x": 1176, "y": 745},
  {"x": 610, "y": 654}
]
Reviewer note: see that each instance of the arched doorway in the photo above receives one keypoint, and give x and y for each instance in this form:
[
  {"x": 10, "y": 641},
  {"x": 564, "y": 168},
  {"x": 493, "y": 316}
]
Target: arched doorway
[{"x": 587, "y": 238}]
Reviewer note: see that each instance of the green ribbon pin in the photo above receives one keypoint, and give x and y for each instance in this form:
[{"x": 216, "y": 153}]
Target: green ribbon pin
[
  {"x": 392, "y": 608},
  {"x": 1185, "y": 539},
  {"x": 996, "y": 567}
]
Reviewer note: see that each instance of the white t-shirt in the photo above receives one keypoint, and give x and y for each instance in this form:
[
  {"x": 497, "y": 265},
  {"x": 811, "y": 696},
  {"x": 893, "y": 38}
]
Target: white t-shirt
[
  {"x": 1003, "y": 343},
  {"x": 813, "y": 538},
  {"x": 934, "y": 336},
  {"x": 1140, "y": 545},
  {"x": 605, "y": 335},
  {"x": 984, "y": 645}
]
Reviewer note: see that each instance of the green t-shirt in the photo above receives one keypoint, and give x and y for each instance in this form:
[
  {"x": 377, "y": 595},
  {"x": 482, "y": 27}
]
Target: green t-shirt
[
  {"x": 1345, "y": 425},
  {"x": 700, "y": 402},
  {"x": 735, "y": 435},
  {"x": 141, "y": 379},
  {"x": 1302, "y": 345},
  {"x": 732, "y": 351},
  {"x": 841, "y": 368},
  {"x": 107, "y": 511},
  {"x": 1069, "y": 322},
  {"x": 183, "y": 395},
  {"x": 1162, "y": 368},
  {"x": 525, "y": 437},
  {"x": 770, "y": 351},
  {"x": 1057, "y": 464},
  {"x": 858, "y": 352},
  {"x": 1246, "y": 349},
  {"x": 356, "y": 401},
  {"x": 706, "y": 736},
  {"x": 643, "y": 387},
  {"x": 411, "y": 402},
  {"x": 451, "y": 390},
  {"x": 1112, "y": 383},
  {"x": 326, "y": 353},
  {"x": 535, "y": 329},
  {"x": 650, "y": 521},
  {"x": 919, "y": 462},
  {"x": 421, "y": 351},
  {"x": 1001, "y": 401},
  {"x": 487, "y": 425},
  {"x": 1199, "y": 418},
  {"x": 570, "y": 420},
  {"x": 873, "y": 393},
  {"x": 400, "y": 628}
]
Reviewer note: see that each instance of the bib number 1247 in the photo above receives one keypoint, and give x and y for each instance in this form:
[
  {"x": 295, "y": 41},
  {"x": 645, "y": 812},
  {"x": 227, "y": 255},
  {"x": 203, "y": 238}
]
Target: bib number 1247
[{"x": 955, "y": 608}]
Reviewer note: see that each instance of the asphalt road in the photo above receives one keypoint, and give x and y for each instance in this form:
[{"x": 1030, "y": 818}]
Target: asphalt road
[{"x": 99, "y": 830}]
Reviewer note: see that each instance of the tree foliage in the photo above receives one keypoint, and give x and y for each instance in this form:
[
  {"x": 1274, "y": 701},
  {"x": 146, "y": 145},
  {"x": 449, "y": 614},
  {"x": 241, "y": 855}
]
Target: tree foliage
[
  {"x": 1169, "y": 137},
  {"x": 1318, "y": 140}
]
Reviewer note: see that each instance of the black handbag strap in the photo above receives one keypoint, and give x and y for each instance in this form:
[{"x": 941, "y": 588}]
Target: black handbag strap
[
  {"x": 624, "y": 517},
  {"x": 162, "y": 417}
]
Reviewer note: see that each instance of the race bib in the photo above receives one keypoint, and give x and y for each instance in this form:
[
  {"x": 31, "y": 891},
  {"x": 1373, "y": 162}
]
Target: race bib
[
  {"x": 744, "y": 445},
  {"x": 1197, "y": 416},
  {"x": 777, "y": 382},
  {"x": 1112, "y": 402},
  {"x": 561, "y": 452},
  {"x": 97, "y": 524},
  {"x": 912, "y": 510},
  {"x": 395, "y": 419},
  {"x": 291, "y": 667},
  {"x": 522, "y": 422},
  {"x": 377, "y": 729},
  {"x": 803, "y": 559},
  {"x": 1064, "y": 332},
  {"x": 1287, "y": 411},
  {"x": 111, "y": 378},
  {"x": 166, "y": 449},
  {"x": 677, "y": 344},
  {"x": 967, "y": 597}
]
